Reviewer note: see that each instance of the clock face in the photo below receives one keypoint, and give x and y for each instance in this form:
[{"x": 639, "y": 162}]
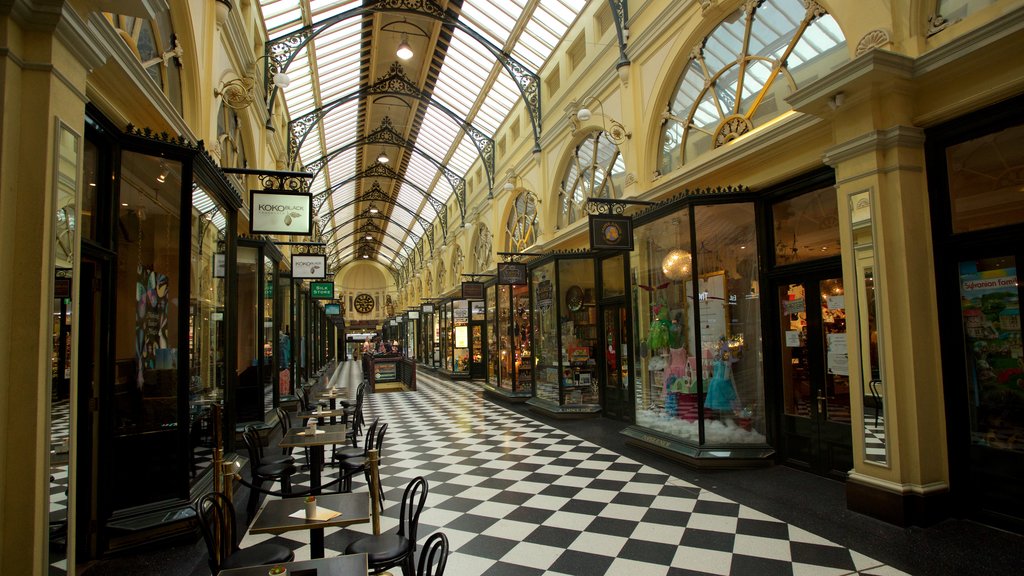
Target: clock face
[{"x": 363, "y": 303}]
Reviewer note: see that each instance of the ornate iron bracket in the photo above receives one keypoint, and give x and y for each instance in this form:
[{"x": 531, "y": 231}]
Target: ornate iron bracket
[
  {"x": 620, "y": 11},
  {"x": 595, "y": 206},
  {"x": 514, "y": 256},
  {"x": 277, "y": 179}
]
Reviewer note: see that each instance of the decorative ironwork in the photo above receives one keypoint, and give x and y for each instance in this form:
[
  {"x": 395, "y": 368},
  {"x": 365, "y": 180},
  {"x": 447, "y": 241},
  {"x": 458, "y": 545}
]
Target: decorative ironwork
[
  {"x": 595, "y": 206},
  {"x": 620, "y": 12},
  {"x": 378, "y": 170},
  {"x": 394, "y": 83},
  {"x": 280, "y": 52},
  {"x": 284, "y": 182}
]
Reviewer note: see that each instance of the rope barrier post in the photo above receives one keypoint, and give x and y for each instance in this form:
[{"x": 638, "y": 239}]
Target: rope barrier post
[{"x": 374, "y": 461}]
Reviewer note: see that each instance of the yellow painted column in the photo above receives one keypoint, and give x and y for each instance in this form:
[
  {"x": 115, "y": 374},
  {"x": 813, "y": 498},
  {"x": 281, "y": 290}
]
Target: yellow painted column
[{"x": 42, "y": 81}]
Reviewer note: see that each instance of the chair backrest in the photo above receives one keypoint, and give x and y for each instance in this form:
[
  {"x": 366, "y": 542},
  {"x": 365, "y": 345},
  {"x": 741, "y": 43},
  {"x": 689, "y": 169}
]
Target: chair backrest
[
  {"x": 413, "y": 499},
  {"x": 435, "y": 549},
  {"x": 368, "y": 440},
  {"x": 255, "y": 447},
  {"x": 217, "y": 523},
  {"x": 380, "y": 439},
  {"x": 285, "y": 419}
]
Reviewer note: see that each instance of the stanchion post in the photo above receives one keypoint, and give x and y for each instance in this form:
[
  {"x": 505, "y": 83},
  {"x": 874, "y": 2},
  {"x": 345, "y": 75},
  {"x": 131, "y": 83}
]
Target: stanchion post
[{"x": 374, "y": 461}]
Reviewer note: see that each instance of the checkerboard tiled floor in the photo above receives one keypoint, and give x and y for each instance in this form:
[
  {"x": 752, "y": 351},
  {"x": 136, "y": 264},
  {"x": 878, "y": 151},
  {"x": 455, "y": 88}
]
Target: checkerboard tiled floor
[{"x": 518, "y": 497}]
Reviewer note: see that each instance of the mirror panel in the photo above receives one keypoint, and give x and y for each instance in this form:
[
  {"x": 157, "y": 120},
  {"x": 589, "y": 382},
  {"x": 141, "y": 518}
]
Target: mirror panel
[{"x": 873, "y": 385}]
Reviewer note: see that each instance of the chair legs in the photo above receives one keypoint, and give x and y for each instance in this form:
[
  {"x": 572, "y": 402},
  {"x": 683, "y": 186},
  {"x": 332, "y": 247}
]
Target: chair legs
[{"x": 254, "y": 498}]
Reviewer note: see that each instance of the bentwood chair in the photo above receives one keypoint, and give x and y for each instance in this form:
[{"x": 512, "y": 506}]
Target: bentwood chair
[
  {"x": 435, "y": 551},
  {"x": 262, "y": 472},
  {"x": 353, "y": 451},
  {"x": 387, "y": 550},
  {"x": 217, "y": 523},
  {"x": 349, "y": 467}
]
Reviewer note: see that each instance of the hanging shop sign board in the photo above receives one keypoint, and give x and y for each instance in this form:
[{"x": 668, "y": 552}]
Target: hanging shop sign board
[
  {"x": 280, "y": 212},
  {"x": 321, "y": 290},
  {"x": 311, "y": 266},
  {"x": 332, "y": 309},
  {"x": 473, "y": 290},
  {"x": 428, "y": 308},
  {"x": 414, "y": 314},
  {"x": 62, "y": 287},
  {"x": 611, "y": 232},
  {"x": 511, "y": 273}
]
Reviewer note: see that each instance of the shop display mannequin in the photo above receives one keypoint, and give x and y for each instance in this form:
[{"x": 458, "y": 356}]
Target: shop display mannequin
[{"x": 721, "y": 393}]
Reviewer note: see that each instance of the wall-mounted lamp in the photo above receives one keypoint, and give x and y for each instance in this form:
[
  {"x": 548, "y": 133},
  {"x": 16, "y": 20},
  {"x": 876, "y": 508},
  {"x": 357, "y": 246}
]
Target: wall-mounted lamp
[
  {"x": 404, "y": 49},
  {"x": 512, "y": 181},
  {"x": 580, "y": 111}
]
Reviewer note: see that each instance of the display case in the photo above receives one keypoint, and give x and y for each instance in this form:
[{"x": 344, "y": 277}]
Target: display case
[
  {"x": 566, "y": 343},
  {"x": 455, "y": 339},
  {"x": 699, "y": 390},
  {"x": 510, "y": 365}
]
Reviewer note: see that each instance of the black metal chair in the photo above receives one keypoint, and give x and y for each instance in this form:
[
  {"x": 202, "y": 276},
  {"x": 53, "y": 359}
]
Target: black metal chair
[
  {"x": 435, "y": 550},
  {"x": 387, "y": 550},
  {"x": 217, "y": 523},
  {"x": 262, "y": 472},
  {"x": 355, "y": 451},
  {"x": 349, "y": 467}
]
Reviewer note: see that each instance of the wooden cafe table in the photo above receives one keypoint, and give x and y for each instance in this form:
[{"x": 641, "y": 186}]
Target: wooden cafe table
[
  {"x": 285, "y": 515},
  {"x": 325, "y": 435},
  {"x": 347, "y": 565}
]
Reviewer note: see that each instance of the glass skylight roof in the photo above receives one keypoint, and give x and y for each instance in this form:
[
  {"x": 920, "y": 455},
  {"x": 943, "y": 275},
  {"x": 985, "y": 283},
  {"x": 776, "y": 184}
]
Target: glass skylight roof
[{"x": 470, "y": 79}]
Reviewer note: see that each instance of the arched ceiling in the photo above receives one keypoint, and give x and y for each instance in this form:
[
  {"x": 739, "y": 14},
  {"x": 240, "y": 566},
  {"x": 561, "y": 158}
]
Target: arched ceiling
[{"x": 434, "y": 115}]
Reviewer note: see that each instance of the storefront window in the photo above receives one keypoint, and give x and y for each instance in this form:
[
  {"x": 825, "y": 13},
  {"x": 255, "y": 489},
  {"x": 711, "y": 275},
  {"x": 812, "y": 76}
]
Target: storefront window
[
  {"x": 580, "y": 340},
  {"x": 284, "y": 334},
  {"x": 493, "y": 327},
  {"x": 986, "y": 176},
  {"x": 460, "y": 336},
  {"x": 806, "y": 227},
  {"x": 249, "y": 337},
  {"x": 545, "y": 339},
  {"x": 990, "y": 308},
  {"x": 698, "y": 326},
  {"x": 267, "y": 345},
  {"x": 145, "y": 387}
]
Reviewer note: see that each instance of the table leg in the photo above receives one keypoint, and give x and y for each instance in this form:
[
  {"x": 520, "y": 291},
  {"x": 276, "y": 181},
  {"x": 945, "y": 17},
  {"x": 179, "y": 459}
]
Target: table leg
[
  {"x": 316, "y": 543},
  {"x": 316, "y": 454}
]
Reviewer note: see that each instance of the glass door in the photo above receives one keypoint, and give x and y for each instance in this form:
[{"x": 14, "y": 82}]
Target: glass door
[
  {"x": 814, "y": 373},
  {"x": 616, "y": 393}
]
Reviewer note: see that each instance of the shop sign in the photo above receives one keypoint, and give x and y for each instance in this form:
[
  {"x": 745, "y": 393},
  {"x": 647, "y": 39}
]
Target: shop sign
[
  {"x": 385, "y": 372},
  {"x": 611, "y": 232},
  {"x": 414, "y": 315},
  {"x": 62, "y": 287},
  {"x": 473, "y": 290},
  {"x": 427, "y": 308},
  {"x": 281, "y": 212},
  {"x": 511, "y": 273},
  {"x": 311, "y": 266},
  {"x": 321, "y": 290},
  {"x": 332, "y": 309},
  {"x": 393, "y": 322},
  {"x": 544, "y": 294}
]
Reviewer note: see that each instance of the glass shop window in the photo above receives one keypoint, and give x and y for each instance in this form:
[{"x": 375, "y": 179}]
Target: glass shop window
[{"x": 806, "y": 227}]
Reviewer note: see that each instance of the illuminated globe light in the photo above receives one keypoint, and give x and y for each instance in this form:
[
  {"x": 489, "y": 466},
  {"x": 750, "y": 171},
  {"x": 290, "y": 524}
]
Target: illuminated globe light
[{"x": 677, "y": 265}]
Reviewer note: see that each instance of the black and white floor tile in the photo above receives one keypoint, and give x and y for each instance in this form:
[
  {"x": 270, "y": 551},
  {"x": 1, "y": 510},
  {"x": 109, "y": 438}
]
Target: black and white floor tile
[
  {"x": 515, "y": 496},
  {"x": 874, "y": 438}
]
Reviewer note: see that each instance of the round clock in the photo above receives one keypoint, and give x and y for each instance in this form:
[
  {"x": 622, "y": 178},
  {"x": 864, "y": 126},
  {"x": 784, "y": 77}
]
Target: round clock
[{"x": 363, "y": 303}]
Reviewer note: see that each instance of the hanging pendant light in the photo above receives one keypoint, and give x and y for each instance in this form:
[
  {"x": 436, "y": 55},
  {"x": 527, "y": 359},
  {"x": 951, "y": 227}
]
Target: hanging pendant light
[
  {"x": 383, "y": 157},
  {"x": 404, "y": 49}
]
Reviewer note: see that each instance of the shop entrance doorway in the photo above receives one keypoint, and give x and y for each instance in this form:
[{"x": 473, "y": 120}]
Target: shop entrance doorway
[
  {"x": 813, "y": 372},
  {"x": 615, "y": 362},
  {"x": 477, "y": 361}
]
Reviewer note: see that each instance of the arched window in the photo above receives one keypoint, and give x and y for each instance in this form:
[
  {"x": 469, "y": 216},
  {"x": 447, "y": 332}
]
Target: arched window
[
  {"x": 596, "y": 170},
  {"x": 521, "y": 228},
  {"x": 740, "y": 75},
  {"x": 156, "y": 46}
]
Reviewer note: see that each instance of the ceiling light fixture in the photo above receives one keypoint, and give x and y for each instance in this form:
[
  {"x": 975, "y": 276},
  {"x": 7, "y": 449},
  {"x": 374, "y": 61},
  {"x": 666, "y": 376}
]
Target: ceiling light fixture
[
  {"x": 373, "y": 209},
  {"x": 163, "y": 175},
  {"x": 369, "y": 237},
  {"x": 404, "y": 50},
  {"x": 383, "y": 157}
]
